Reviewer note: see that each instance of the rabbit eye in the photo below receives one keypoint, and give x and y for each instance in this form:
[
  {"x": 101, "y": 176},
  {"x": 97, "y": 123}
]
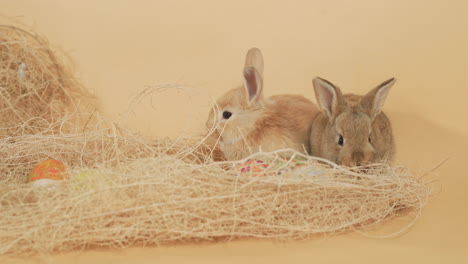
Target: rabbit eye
[
  {"x": 227, "y": 114},
  {"x": 370, "y": 141},
  {"x": 341, "y": 141}
]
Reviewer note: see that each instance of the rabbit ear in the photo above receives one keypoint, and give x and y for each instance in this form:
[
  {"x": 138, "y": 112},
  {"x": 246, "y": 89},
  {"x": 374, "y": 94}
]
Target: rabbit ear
[
  {"x": 374, "y": 100},
  {"x": 254, "y": 58},
  {"x": 253, "y": 74},
  {"x": 328, "y": 96}
]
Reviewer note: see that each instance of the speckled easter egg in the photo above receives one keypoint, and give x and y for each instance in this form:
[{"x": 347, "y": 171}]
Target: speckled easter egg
[{"x": 50, "y": 170}]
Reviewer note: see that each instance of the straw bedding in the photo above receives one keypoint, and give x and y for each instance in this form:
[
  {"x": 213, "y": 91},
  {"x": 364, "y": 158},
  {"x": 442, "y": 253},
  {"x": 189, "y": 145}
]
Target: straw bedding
[
  {"x": 127, "y": 190},
  {"x": 36, "y": 88}
]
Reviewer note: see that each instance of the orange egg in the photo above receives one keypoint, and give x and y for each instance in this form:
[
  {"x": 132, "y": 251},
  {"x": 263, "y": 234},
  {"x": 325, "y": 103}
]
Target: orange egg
[{"x": 49, "y": 169}]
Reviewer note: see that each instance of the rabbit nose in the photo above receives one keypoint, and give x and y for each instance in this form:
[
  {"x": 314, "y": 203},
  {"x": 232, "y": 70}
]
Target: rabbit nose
[
  {"x": 347, "y": 161},
  {"x": 358, "y": 157}
]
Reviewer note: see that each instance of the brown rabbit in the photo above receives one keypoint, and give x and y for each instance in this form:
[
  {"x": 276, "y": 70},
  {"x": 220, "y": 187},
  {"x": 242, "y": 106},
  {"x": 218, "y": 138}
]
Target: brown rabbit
[
  {"x": 243, "y": 121},
  {"x": 352, "y": 130}
]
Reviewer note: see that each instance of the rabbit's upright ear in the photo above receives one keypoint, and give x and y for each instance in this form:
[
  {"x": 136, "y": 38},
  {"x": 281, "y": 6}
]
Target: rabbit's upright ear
[
  {"x": 328, "y": 96},
  {"x": 374, "y": 100},
  {"x": 253, "y": 75}
]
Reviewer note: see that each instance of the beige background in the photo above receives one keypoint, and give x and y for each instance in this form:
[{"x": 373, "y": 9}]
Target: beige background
[{"x": 122, "y": 47}]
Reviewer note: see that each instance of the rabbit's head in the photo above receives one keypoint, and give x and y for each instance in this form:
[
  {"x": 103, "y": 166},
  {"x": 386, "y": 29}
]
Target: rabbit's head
[
  {"x": 235, "y": 114},
  {"x": 352, "y": 130}
]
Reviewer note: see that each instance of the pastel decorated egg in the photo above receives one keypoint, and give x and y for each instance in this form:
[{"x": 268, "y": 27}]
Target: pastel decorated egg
[
  {"x": 254, "y": 166},
  {"x": 44, "y": 183},
  {"x": 48, "y": 170},
  {"x": 85, "y": 178},
  {"x": 257, "y": 167}
]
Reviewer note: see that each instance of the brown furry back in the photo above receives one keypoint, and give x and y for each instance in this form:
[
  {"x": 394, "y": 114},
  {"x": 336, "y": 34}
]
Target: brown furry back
[{"x": 286, "y": 123}]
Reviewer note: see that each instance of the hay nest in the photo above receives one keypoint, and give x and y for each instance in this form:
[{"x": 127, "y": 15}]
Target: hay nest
[
  {"x": 124, "y": 192},
  {"x": 128, "y": 190}
]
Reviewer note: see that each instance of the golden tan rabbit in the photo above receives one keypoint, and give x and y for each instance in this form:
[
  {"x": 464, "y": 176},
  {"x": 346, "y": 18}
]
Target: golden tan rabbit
[
  {"x": 243, "y": 121},
  {"x": 352, "y": 130}
]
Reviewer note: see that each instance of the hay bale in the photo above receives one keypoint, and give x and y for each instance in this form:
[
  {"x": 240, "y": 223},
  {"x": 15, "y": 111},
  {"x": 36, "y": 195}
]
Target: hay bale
[
  {"x": 37, "y": 87},
  {"x": 127, "y": 190}
]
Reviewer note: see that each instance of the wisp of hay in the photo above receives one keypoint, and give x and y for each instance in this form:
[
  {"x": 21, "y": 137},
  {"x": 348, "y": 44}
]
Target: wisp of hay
[{"x": 128, "y": 190}]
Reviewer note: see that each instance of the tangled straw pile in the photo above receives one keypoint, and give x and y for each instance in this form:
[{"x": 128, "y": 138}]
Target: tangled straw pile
[
  {"x": 128, "y": 190},
  {"x": 36, "y": 87}
]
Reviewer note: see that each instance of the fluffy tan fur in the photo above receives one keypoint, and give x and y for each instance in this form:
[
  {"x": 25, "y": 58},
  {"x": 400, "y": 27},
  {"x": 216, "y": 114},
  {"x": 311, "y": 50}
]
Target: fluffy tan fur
[{"x": 278, "y": 122}]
